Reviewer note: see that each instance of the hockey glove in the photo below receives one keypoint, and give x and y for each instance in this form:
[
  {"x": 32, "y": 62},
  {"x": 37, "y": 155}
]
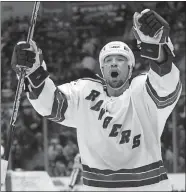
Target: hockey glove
[
  {"x": 27, "y": 55},
  {"x": 151, "y": 32}
]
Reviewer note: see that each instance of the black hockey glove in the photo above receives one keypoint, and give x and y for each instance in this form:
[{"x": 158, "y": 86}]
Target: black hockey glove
[
  {"x": 29, "y": 56},
  {"x": 151, "y": 32}
]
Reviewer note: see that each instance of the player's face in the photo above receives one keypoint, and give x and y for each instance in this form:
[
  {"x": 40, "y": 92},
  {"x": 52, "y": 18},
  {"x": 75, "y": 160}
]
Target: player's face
[{"x": 115, "y": 70}]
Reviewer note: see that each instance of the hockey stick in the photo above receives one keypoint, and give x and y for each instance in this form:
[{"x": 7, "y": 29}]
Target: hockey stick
[
  {"x": 19, "y": 91},
  {"x": 75, "y": 172},
  {"x": 73, "y": 178}
]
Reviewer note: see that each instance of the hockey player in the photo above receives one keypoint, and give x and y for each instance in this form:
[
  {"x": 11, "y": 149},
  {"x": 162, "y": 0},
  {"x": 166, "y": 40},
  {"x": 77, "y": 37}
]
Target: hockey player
[{"x": 119, "y": 125}]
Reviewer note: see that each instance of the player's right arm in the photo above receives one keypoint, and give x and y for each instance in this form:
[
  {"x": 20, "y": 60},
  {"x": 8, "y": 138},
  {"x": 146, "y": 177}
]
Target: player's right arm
[{"x": 59, "y": 104}]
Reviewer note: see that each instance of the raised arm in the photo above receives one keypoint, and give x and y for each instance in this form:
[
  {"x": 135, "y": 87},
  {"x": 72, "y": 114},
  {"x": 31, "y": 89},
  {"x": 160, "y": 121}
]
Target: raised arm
[
  {"x": 162, "y": 86},
  {"x": 59, "y": 104},
  {"x": 152, "y": 34},
  {"x": 163, "y": 82}
]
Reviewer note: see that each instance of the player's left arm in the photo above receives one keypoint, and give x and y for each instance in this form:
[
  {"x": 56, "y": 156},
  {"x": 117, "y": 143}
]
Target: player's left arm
[
  {"x": 152, "y": 34},
  {"x": 163, "y": 83}
]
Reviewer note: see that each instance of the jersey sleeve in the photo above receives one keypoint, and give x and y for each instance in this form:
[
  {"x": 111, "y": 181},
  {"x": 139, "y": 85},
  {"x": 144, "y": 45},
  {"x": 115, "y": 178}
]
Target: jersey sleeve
[
  {"x": 162, "y": 90},
  {"x": 58, "y": 103}
]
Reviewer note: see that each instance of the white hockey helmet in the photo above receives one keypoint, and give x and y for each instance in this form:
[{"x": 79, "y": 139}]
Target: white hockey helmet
[{"x": 119, "y": 48}]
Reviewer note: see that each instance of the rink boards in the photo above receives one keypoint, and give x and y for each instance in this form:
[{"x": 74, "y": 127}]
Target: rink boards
[{"x": 41, "y": 181}]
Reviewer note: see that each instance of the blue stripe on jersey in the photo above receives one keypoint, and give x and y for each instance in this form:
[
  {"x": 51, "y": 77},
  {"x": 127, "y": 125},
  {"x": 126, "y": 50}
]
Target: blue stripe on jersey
[
  {"x": 162, "y": 102},
  {"x": 121, "y": 184},
  {"x": 134, "y": 170},
  {"x": 59, "y": 107},
  {"x": 124, "y": 176},
  {"x": 145, "y": 175}
]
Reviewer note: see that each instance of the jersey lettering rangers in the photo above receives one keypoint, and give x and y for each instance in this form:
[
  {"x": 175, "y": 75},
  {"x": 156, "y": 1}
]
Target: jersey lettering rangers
[{"x": 118, "y": 137}]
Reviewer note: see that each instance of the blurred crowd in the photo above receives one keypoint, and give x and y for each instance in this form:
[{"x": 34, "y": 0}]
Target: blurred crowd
[{"x": 71, "y": 49}]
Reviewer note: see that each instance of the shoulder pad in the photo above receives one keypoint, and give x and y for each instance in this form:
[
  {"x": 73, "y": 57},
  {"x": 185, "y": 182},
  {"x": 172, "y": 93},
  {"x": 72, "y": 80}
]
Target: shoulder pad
[
  {"x": 134, "y": 75},
  {"x": 96, "y": 78},
  {"x": 93, "y": 80}
]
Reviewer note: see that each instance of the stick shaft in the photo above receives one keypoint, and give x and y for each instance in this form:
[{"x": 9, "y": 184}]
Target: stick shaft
[
  {"x": 73, "y": 178},
  {"x": 33, "y": 21},
  {"x": 20, "y": 85},
  {"x": 14, "y": 114}
]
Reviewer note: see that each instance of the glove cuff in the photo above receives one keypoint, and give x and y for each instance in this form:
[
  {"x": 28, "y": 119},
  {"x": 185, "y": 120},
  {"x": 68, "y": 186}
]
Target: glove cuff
[
  {"x": 38, "y": 77},
  {"x": 152, "y": 51}
]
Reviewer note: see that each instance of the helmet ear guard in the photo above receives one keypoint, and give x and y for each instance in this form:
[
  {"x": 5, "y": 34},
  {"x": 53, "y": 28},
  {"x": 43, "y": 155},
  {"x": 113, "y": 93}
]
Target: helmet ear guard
[{"x": 117, "y": 48}]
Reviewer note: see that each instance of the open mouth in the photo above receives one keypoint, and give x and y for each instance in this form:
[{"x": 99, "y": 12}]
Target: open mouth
[{"x": 114, "y": 74}]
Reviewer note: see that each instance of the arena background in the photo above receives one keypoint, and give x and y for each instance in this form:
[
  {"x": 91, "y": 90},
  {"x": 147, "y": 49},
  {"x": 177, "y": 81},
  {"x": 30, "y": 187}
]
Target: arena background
[{"x": 71, "y": 35}]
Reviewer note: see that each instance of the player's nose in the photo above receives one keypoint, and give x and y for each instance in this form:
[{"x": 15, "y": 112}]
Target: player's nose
[{"x": 114, "y": 64}]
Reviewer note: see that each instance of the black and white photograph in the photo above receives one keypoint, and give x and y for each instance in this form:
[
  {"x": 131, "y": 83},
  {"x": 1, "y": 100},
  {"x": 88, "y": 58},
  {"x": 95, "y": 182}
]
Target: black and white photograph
[{"x": 93, "y": 95}]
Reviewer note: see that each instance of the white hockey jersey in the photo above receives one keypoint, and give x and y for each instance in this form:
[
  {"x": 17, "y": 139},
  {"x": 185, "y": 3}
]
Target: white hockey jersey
[{"x": 118, "y": 137}]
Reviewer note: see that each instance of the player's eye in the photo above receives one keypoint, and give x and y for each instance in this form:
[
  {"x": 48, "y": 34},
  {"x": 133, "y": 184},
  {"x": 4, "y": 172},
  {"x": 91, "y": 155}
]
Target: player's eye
[
  {"x": 120, "y": 59},
  {"x": 107, "y": 60}
]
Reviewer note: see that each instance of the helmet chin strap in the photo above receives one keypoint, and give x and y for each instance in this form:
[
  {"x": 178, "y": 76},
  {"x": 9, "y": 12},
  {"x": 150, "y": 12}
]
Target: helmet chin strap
[{"x": 123, "y": 85}]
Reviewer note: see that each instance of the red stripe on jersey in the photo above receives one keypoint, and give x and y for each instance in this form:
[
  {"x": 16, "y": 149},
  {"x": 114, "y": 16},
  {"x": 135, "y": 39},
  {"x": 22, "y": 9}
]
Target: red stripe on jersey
[
  {"x": 124, "y": 176},
  {"x": 145, "y": 175},
  {"x": 162, "y": 102},
  {"x": 145, "y": 168},
  {"x": 121, "y": 184}
]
